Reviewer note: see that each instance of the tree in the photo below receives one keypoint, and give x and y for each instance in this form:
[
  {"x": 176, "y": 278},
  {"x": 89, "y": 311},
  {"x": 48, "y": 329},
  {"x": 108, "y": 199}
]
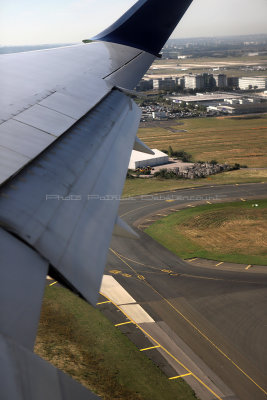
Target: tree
[{"x": 170, "y": 151}]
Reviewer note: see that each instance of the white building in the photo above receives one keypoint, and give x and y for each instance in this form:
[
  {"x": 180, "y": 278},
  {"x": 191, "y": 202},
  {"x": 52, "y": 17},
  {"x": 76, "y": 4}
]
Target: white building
[
  {"x": 257, "y": 82},
  {"x": 164, "y": 84},
  {"x": 194, "y": 81},
  {"x": 221, "y": 80},
  {"x": 139, "y": 160}
]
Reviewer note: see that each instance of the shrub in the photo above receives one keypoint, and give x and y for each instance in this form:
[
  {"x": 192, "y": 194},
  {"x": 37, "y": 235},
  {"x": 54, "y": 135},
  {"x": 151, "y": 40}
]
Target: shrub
[
  {"x": 236, "y": 166},
  {"x": 213, "y": 162}
]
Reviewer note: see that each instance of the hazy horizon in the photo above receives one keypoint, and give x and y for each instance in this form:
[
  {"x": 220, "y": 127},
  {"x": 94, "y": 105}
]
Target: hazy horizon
[
  {"x": 71, "y": 21},
  {"x": 172, "y": 38}
]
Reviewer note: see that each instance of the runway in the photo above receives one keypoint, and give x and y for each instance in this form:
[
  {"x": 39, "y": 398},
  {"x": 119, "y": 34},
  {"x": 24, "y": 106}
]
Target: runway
[{"x": 220, "y": 314}]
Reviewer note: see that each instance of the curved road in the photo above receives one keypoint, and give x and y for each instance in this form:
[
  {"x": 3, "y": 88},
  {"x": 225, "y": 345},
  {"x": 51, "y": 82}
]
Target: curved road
[{"x": 220, "y": 314}]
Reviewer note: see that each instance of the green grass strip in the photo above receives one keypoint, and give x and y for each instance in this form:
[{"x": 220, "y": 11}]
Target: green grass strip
[
  {"x": 166, "y": 231},
  {"x": 78, "y": 339}
]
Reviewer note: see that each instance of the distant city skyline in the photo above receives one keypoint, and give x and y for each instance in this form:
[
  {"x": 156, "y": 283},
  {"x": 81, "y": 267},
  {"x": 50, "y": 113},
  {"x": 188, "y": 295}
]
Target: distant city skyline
[{"x": 68, "y": 21}]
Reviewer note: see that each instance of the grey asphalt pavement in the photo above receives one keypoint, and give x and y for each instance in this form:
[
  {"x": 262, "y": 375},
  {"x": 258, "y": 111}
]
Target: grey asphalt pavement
[{"x": 219, "y": 314}]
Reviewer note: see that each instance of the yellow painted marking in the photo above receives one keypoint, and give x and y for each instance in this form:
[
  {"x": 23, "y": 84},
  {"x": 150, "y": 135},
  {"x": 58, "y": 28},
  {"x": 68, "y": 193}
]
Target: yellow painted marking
[
  {"x": 51, "y": 284},
  {"x": 194, "y": 327},
  {"x": 208, "y": 339},
  {"x": 124, "y": 323},
  {"x": 126, "y": 275},
  {"x": 122, "y": 258},
  {"x": 249, "y": 266},
  {"x": 209, "y": 202},
  {"x": 136, "y": 209},
  {"x": 220, "y": 263},
  {"x": 141, "y": 277},
  {"x": 103, "y": 302},
  {"x": 180, "y": 376},
  {"x": 169, "y": 201},
  {"x": 193, "y": 259},
  {"x": 243, "y": 199},
  {"x": 115, "y": 271},
  {"x": 167, "y": 270},
  {"x": 150, "y": 348},
  {"x": 166, "y": 351}
]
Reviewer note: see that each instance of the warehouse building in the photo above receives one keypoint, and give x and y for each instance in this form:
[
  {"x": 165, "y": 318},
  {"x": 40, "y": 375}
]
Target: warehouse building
[
  {"x": 238, "y": 109},
  {"x": 257, "y": 82},
  {"x": 140, "y": 160}
]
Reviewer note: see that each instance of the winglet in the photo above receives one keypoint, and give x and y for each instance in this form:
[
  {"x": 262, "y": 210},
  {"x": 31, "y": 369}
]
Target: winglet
[{"x": 147, "y": 25}]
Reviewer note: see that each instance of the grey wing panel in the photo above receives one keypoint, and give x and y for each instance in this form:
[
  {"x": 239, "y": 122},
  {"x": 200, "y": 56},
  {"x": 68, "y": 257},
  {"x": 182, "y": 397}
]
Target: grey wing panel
[
  {"x": 28, "y": 78},
  {"x": 65, "y": 203},
  {"x": 28, "y": 133},
  {"x": 26, "y": 376},
  {"x": 130, "y": 74},
  {"x": 23, "y": 274},
  {"x": 37, "y": 104}
]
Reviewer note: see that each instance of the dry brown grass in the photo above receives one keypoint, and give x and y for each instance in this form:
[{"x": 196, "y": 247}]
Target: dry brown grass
[
  {"x": 231, "y": 140},
  {"x": 79, "y": 340},
  {"x": 243, "y": 231}
]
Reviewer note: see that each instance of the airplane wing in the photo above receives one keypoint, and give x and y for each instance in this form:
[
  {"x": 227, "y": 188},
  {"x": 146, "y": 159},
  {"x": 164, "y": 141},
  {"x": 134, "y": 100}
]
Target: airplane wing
[{"x": 67, "y": 129}]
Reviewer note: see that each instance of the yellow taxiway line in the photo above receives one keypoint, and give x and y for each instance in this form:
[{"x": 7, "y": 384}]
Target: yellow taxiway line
[
  {"x": 165, "y": 350},
  {"x": 180, "y": 376},
  {"x": 103, "y": 302},
  {"x": 220, "y": 263},
  {"x": 124, "y": 323},
  {"x": 197, "y": 330},
  {"x": 150, "y": 348}
]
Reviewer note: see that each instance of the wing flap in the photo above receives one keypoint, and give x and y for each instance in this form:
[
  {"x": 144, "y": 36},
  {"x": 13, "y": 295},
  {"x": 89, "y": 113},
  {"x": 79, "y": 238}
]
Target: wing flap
[
  {"x": 65, "y": 203},
  {"x": 23, "y": 274}
]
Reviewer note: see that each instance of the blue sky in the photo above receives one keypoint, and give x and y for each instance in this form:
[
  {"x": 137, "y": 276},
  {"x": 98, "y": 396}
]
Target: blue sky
[{"x": 25, "y": 22}]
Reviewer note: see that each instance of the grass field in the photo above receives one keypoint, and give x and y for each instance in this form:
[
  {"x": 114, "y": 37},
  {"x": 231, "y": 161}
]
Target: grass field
[
  {"x": 258, "y": 59},
  {"x": 230, "y": 71},
  {"x": 135, "y": 187},
  {"x": 78, "y": 339},
  {"x": 231, "y": 140},
  {"x": 234, "y": 232},
  {"x": 205, "y": 64}
]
